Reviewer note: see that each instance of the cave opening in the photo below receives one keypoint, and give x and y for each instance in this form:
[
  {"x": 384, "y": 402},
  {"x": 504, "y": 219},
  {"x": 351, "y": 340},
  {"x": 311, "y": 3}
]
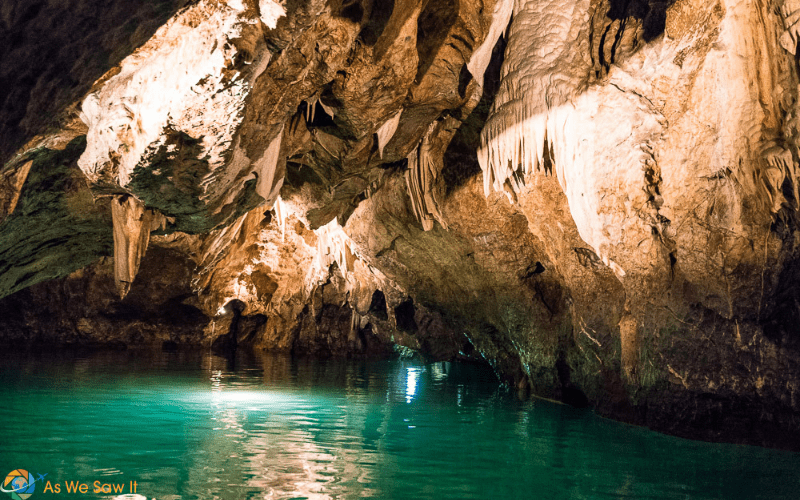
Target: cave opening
[
  {"x": 378, "y": 306},
  {"x": 404, "y": 316}
]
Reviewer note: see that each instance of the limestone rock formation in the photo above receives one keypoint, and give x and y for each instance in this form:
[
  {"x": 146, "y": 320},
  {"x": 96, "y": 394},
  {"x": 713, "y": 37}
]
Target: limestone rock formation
[
  {"x": 597, "y": 198},
  {"x": 132, "y": 227},
  {"x": 12, "y": 181}
]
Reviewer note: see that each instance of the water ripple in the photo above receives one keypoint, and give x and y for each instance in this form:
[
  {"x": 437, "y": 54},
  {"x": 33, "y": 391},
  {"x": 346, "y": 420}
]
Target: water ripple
[{"x": 186, "y": 427}]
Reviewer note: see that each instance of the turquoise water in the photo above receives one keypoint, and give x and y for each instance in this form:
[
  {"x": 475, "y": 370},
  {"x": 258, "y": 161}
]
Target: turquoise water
[{"x": 188, "y": 426}]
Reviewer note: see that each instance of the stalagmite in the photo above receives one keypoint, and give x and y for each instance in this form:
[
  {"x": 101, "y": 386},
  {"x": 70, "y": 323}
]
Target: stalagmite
[
  {"x": 11, "y": 183},
  {"x": 483, "y": 55},
  {"x": 386, "y": 132},
  {"x": 423, "y": 171},
  {"x": 132, "y": 226},
  {"x": 333, "y": 245}
]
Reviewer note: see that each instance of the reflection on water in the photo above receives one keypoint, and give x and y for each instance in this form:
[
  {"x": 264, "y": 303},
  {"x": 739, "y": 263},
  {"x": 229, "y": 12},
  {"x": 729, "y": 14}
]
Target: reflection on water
[{"x": 186, "y": 426}]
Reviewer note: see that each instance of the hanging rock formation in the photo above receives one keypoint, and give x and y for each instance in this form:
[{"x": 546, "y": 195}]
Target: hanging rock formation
[
  {"x": 12, "y": 181},
  {"x": 421, "y": 178},
  {"x": 587, "y": 195},
  {"x": 132, "y": 227}
]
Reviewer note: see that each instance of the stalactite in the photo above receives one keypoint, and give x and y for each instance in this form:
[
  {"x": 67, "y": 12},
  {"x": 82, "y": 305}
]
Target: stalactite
[
  {"x": 311, "y": 108},
  {"x": 540, "y": 73},
  {"x": 215, "y": 247},
  {"x": 780, "y": 165},
  {"x": 386, "y": 131},
  {"x": 132, "y": 226},
  {"x": 11, "y": 183},
  {"x": 333, "y": 245},
  {"x": 355, "y": 324},
  {"x": 546, "y": 119},
  {"x": 421, "y": 176},
  {"x": 480, "y": 59},
  {"x": 281, "y": 214},
  {"x": 269, "y": 181}
]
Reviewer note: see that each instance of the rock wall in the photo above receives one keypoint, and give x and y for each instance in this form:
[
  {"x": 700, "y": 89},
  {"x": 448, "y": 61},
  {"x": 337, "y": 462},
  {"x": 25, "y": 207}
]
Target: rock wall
[{"x": 597, "y": 198}]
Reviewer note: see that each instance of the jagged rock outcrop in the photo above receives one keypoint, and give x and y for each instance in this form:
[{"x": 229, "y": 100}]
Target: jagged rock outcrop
[
  {"x": 587, "y": 195},
  {"x": 54, "y": 50}
]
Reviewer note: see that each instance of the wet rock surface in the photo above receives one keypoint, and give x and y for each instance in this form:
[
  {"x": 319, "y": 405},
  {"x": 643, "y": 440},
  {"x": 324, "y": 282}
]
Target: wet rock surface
[{"x": 585, "y": 195}]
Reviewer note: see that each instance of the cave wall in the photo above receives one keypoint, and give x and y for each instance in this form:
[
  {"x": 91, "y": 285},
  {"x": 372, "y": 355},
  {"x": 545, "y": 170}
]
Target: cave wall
[{"x": 597, "y": 198}]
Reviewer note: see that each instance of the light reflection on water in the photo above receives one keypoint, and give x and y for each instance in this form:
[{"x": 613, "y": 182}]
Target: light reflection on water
[{"x": 189, "y": 425}]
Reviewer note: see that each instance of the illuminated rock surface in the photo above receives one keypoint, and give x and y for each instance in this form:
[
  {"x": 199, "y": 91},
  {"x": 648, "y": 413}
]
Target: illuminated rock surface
[{"x": 597, "y": 198}]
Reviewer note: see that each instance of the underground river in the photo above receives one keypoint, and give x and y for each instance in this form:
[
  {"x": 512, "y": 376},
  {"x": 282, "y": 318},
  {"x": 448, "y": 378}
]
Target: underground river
[{"x": 196, "y": 426}]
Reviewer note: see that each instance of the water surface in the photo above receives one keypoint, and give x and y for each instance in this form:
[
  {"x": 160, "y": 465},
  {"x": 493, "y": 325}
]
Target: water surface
[{"x": 191, "y": 426}]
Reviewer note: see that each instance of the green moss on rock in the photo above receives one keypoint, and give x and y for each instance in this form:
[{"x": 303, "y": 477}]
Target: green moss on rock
[
  {"x": 169, "y": 179},
  {"x": 57, "y": 227}
]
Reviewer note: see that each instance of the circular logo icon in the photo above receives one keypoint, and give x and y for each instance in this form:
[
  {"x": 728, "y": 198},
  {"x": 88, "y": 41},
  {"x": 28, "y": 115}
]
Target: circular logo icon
[{"x": 19, "y": 484}]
